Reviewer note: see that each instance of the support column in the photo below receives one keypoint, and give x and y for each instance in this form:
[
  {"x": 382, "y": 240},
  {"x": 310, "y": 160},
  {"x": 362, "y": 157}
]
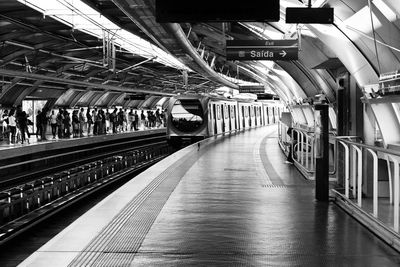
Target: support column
[
  {"x": 321, "y": 152},
  {"x": 343, "y": 121}
]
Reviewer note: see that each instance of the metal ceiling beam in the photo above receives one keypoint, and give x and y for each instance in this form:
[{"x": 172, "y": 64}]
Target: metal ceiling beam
[
  {"x": 13, "y": 35},
  {"x": 180, "y": 36},
  {"x": 124, "y": 7},
  {"x": 136, "y": 65},
  {"x": 40, "y": 86},
  {"x": 16, "y": 54},
  {"x": 86, "y": 78},
  {"x": 32, "y": 76},
  {"x": 38, "y": 83},
  {"x": 33, "y": 28},
  {"x": 38, "y": 48},
  {"x": 80, "y": 60}
]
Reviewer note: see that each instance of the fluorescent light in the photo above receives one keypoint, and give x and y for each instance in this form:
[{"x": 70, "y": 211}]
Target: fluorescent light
[{"x": 78, "y": 15}]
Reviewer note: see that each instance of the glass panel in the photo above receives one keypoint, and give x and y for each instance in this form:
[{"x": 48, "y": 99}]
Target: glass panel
[
  {"x": 31, "y": 107},
  {"x": 187, "y": 115},
  {"x": 299, "y": 117},
  {"x": 396, "y": 108},
  {"x": 332, "y": 118},
  {"x": 309, "y": 115},
  {"x": 377, "y": 133}
]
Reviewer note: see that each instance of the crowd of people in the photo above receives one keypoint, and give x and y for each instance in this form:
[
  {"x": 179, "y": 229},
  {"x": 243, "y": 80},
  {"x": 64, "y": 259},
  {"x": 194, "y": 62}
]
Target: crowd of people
[
  {"x": 13, "y": 121},
  {"x": 80, "y": 123}
]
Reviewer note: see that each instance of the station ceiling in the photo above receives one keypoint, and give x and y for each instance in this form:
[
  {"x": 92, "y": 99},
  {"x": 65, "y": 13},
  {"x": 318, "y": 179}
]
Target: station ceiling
[{"x": 42, "y": 57}]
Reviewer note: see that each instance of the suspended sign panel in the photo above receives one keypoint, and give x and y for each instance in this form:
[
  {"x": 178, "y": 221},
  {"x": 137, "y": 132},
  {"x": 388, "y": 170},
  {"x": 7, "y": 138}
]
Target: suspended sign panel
[
  {"x": 309, "y": 15},
  {"x": 135, "y": 97},
  {"x": 252, "y": 89},
  {"x": 262, "y": 49},
  {"x": 181, "y": 11},
  {"x": 266, "y": 96}
]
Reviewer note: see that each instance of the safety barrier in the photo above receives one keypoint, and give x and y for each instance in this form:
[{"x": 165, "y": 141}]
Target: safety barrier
[
  {"x": 303, "y": 150},
  {"x": 354, "y": 179},
  {"x": 18, "y": 201},
  {"x": 301, "y": 147}
]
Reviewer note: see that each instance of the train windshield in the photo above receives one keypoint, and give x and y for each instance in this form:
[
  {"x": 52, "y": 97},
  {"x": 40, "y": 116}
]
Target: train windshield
[{"x": 187, "y": 115}]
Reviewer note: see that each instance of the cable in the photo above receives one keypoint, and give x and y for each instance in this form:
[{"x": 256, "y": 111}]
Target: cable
[
  {"x": 371, "y": 38},
  {"x": 142, "y": 48},
  {"x": 373, "y": 32}
]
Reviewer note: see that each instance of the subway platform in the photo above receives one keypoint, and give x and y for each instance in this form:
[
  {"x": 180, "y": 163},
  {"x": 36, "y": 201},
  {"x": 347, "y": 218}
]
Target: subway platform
[
  {"x": 35, "y": 145},
  {"x": 229, "y": 201}
]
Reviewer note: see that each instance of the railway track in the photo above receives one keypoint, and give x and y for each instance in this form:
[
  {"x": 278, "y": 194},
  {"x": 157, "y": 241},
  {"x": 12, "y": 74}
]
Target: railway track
[
  {"x": 27, "y": 201},
  {"x": 32, "y": 166}
]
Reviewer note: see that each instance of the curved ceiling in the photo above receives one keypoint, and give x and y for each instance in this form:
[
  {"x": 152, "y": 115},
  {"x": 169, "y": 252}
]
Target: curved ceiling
[{"x": 44, "y": 58}]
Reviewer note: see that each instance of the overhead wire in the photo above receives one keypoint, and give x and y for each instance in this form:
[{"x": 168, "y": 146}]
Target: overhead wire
[
  {"x": 371, "y": 38},
  {"x": 142, "y": 49},
  {"x": 374, "y": 34}
]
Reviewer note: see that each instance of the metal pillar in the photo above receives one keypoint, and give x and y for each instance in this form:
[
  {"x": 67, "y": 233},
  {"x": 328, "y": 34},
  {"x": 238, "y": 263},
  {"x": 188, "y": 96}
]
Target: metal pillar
[{"x": 321, "y": 152}]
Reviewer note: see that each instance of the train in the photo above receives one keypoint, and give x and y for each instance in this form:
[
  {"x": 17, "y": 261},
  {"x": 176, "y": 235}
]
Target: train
[{"x": 191, "y": 118}]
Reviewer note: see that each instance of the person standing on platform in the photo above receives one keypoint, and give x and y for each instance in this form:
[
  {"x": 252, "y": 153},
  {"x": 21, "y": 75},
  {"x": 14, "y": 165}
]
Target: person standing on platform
[
  {"x": 75, "y": 124},
  {"x": 6, "y": 128},
  {"x": 99, "y": 121},
  {"x": 142, "y": 120},
  {"x": 95, "y": 122},
  {"x": 12, "y": 123},
  {"x": 107, "y": 122},
  {"x": 67, "y": 123},
  {"x": 60, "y": 123},
  {"x": 151, "y": 119},
  {"x": 39, "y": 125},
  {"x": 131, "y": 120},
  {"x": 53, "y": 124},
  {"x": 136, "y": 122},
  {"x": 293, "y": 141},
  {"x": 44, "y": 118},
  {"x": 121, "y": 117},
  {"x": 157, "y": 118},
  {"x": 103, "y": 122},
  {"x": 22, "y": 121},
  {"x": 89, "y": 120},
  {"x": 126, "y": 120},
  {"x": 114, "y": 121},
  {"x": 81, "y": 122}
]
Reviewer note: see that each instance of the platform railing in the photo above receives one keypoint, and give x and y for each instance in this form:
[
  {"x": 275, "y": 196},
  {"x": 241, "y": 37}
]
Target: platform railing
[
  {"x": 301, "y": 147},
  {"x": 303, "y": 150},
  {"x": 353, "y": 175}
]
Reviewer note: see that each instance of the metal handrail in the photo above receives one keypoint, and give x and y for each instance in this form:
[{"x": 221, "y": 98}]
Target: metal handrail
[
  {"x": 304, "y": 161},
  {"x": 376, "y": 148},
  {"x": 355, "y": 163}
]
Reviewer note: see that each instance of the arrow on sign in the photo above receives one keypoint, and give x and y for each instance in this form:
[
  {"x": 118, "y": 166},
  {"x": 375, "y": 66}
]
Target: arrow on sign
[{"x": 283, "y": 53}]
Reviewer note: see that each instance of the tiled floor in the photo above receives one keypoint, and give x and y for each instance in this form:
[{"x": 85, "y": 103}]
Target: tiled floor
[{"x": 233, "y": 203}]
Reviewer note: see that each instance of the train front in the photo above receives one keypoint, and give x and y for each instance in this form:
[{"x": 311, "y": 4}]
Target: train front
[{"x": 187, "y": 119}]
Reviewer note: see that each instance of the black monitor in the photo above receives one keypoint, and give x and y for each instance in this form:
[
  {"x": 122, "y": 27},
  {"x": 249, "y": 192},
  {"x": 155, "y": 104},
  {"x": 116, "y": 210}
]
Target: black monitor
[
  {"x": 181, "y": 11},
  {"x": 309, "y": 15}
]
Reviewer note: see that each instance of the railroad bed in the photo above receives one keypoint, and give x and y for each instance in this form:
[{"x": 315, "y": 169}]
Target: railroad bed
[
  {"x": 27, "y": 163},
  {"x": 31, "y": 200}
]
